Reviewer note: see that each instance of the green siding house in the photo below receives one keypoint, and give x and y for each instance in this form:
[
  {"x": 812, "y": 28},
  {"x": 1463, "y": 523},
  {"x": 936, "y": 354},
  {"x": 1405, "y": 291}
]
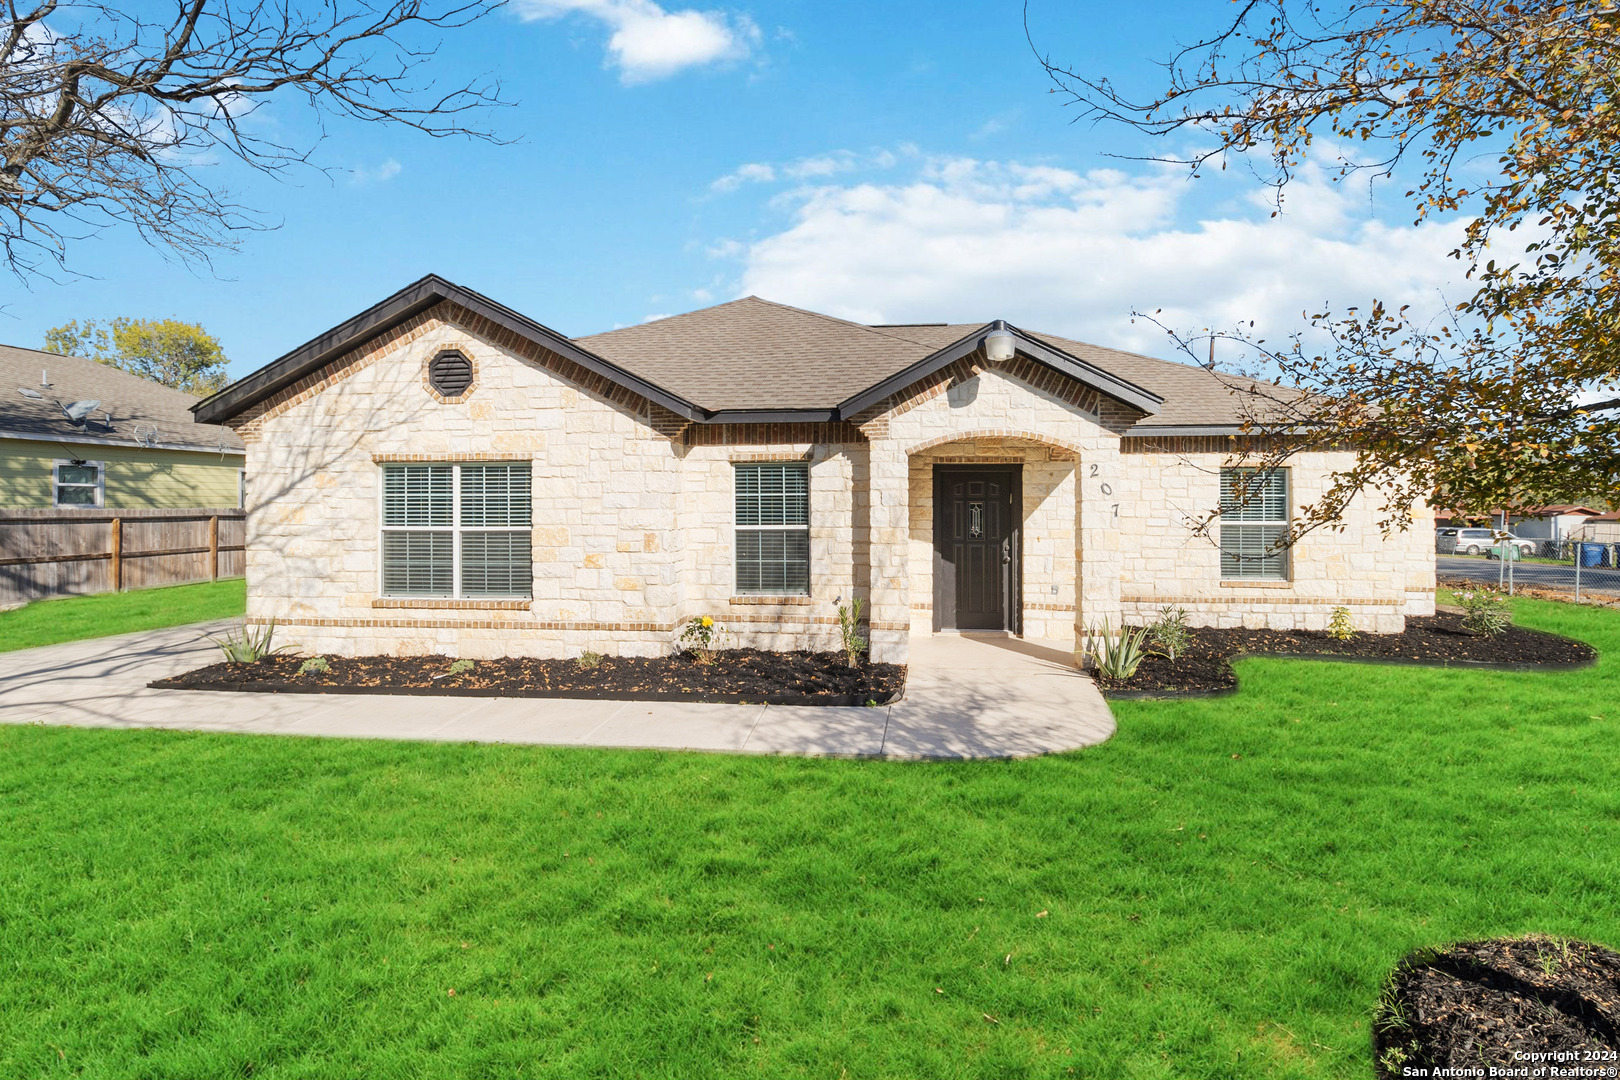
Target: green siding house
[{"x": 75, "y": 433}]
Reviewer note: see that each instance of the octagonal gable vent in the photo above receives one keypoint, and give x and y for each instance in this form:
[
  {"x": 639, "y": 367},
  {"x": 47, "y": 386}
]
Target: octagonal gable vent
[{"x": 450, "y": 374}]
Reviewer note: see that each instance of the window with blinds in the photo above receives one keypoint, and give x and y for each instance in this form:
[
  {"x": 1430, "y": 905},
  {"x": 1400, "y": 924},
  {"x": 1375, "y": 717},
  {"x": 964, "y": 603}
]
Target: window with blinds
[
  {"x": 773, "y": 528},
  {"x": 459, "y": 531},
  {"x": 1254, "y": 523}
]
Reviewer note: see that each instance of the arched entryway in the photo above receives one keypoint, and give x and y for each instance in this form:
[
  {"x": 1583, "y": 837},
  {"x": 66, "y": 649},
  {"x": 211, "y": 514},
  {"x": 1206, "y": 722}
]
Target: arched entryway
[{"x": 992, "y": 535}]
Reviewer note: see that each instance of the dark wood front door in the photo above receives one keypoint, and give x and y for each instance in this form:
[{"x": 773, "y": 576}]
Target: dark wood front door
[{"x": 976, "y": 549}]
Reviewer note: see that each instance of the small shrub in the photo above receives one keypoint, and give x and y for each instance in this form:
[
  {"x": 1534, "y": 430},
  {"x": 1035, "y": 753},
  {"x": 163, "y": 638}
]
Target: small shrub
[
  {"x": 250, "y": 646},
  {"x": 849, "y": 629},
  {"x": 1169, "y": 633},
  {"x": 314, "y": 664},
  {"x": 1340, "y": 628},
  {"x": 461, "y": 667},
  {"x": 1485, "y": 611},
  {"x": 1116, "y": 656},
  {"x": 588, "y": 659},
  {"x": 703, "y": 637}
]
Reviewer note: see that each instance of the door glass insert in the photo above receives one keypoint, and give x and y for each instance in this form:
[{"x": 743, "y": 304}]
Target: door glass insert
[{"x": 975, "y": 521}]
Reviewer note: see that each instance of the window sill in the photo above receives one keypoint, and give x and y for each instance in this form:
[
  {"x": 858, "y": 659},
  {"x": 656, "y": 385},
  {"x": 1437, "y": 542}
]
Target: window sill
[
  {"x": 1257, "y": 583},
  {"x": 764, "y": 600},
  {"x": 447, "y": 602}
]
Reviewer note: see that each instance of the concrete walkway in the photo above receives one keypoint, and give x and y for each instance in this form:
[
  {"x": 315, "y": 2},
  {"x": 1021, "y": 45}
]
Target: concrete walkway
[{"x": 965, "y": 698}]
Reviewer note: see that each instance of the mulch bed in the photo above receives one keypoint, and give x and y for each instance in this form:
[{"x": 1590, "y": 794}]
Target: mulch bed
[
  {"x": 1480, "y": 1004},
  {"x": 737, "y": 675},
  {"x": 1437, "y": 641}
]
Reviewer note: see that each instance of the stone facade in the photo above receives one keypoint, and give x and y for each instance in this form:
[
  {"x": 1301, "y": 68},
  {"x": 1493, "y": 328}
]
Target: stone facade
[{"x": 633, "y": 510}]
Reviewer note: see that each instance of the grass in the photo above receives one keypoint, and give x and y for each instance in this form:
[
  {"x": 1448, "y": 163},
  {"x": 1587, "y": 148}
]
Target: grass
[
  {"x": 51, "y": 622},
  {"x": 1217, "y": 892}
]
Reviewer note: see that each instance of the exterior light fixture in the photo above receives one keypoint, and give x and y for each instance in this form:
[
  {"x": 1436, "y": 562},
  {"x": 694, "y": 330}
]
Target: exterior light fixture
[{"x": 998, "y": 346}]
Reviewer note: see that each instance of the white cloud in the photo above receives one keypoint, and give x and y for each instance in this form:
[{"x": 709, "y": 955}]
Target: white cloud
[
  {"x": 809, "y": 168},
  {"x": 1074, "y": 253},
  {"x": 752, "y": 173},
  {"x": 651, "y": 43},
  {"x": 361, "y": 176}
]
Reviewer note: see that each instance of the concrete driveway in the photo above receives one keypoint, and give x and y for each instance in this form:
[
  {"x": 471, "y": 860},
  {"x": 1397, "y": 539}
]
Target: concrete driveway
[{"x": 965, "y": 698}]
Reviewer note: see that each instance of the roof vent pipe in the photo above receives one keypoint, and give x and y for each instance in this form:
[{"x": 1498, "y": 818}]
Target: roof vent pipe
[{"x": 998, "y": 346}]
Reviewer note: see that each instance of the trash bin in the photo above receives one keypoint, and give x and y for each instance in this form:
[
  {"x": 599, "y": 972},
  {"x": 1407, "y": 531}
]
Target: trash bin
[
  {"x": 1591, "y": 555},
  {"x": 1510, "y": 552}
]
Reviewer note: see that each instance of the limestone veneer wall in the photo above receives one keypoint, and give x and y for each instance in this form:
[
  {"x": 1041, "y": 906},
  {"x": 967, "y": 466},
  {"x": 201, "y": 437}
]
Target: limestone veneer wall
[{"x": 1380, "y": 580}]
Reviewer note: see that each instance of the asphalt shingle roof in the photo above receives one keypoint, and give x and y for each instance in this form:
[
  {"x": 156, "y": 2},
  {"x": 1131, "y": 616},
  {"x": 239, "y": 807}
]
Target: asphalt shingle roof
[
  {"x": 141, "y": 410},
  {"x": 756, "y": 354}
]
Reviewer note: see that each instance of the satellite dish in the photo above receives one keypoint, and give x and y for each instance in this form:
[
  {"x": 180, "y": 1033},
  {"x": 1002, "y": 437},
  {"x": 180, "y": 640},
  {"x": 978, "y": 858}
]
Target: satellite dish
[
  {"x": 25, "y": 392},
  {"x": 77, "y": 411}
]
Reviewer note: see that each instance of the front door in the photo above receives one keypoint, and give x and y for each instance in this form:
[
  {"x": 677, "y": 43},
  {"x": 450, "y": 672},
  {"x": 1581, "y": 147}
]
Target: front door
[{"x": 976, "y": 552}]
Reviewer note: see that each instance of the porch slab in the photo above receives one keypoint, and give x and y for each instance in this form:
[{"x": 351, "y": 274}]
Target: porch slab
[{"x": 966, "y": 697}]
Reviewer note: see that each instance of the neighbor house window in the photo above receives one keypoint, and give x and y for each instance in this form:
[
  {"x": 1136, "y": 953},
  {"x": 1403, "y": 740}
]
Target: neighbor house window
[
  {"x": 773, "y": 529},
  {"x": 1254, "y": 521},
  {"x": 78, "y": 483},
  {"x": 460, "y": 531}
]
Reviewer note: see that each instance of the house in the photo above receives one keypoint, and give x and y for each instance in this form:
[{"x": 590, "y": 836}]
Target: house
[
  {"x": 1601, "y": 528},
  {"x": 443, "y": 474},
  {"x": 132, "y": 445},
  {"x": 1559, "y": 522}
]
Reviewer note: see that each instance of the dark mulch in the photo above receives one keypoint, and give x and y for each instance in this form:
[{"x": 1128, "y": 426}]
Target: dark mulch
[
  {"x": 1437, "y": 640},
  {"x": 738, "y": 675},
  {"x": 1481, "y": 1003}
]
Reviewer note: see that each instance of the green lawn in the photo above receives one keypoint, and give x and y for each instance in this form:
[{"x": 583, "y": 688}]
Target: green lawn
[
  {"x": 50, "y": 622},
  {"x": 1217, "y": 892}
]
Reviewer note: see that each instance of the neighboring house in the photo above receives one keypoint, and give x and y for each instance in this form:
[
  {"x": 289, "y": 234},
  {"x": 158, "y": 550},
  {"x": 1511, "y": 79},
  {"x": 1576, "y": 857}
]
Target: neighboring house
[
  {"x": 1559, "y": 522},
  {"x": 1601, "y": 528},
  {"x": 443, "y": 474},
  {"x": 137, "y": 447}
]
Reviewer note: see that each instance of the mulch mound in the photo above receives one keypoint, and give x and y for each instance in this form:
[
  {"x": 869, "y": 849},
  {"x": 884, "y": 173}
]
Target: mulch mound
[
  {"x": 1435, "y": 640},
  {"x": 736, "y": 675},
  {"x": 1543, "y": 1004}
]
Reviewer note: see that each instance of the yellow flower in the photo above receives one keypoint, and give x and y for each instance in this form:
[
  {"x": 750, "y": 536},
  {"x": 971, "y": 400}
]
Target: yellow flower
[{"x": 708, "y": 620}]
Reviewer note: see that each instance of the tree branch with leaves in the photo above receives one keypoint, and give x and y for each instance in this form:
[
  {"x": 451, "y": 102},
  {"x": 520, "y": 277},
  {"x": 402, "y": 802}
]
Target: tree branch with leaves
[{"x": 1478, "y": 405}]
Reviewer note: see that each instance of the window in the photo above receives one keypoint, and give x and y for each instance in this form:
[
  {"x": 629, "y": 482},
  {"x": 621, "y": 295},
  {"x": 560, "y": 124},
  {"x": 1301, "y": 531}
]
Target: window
[
  {"x": 1254, "y": 519},
  {"x": 78, "y": 483},
  {"x": 773, "y": 529},
  {"x": 459, "y": 531}
]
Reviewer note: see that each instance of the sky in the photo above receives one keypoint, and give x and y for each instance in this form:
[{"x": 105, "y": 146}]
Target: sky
[{"x": 883, "y": 162}]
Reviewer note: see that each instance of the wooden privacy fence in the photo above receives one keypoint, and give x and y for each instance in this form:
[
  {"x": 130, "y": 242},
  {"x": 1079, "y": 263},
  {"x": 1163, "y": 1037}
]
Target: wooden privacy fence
[{"x": 65, "y": 552}]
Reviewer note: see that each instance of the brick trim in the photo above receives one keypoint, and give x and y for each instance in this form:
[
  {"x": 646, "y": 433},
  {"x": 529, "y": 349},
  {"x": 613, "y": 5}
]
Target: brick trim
[
  {"x": 467, "y": 624},
  {"x": 396, "y": 459},
  {"x": 969, "y": 434},
  {"x": 1313, "y": 600},
  {"x": 742, "y": 457},
  {"x": 449, "y": 604},
  {"x": 771, "y": 601}
]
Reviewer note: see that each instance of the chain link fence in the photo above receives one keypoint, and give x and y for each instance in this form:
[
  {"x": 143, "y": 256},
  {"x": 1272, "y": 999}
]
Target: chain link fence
[{"x": 1582, "y": 568}]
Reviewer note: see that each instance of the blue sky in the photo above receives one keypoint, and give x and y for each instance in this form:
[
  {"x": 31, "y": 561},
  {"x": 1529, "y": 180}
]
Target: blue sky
[{"x": 884, "y": 162}]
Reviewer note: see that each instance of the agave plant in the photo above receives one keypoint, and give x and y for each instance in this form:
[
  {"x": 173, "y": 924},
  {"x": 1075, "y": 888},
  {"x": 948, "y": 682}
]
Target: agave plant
[
  {"x": 250, "y": 646},
  {"x": 1116, "y": 655}
]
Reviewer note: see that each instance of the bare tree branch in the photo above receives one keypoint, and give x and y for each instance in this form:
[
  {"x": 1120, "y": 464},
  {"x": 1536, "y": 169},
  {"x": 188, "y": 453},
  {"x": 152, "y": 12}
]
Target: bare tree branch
[{"x": 107, "y": 116}]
